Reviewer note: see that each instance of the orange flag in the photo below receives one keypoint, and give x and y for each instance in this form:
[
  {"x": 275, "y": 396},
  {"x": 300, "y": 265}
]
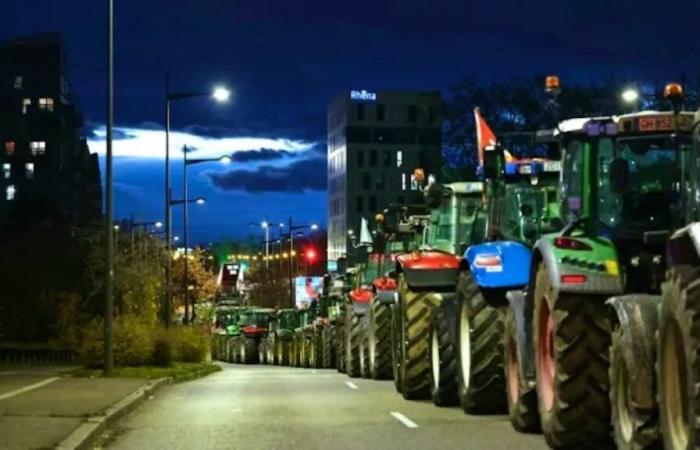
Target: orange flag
[{"x": 484, "y": 136}]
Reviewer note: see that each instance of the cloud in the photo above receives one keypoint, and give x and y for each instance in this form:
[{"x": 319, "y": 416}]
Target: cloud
[
  {"x": 299, "y": 176},
  {"x": 150, "y": 143}
]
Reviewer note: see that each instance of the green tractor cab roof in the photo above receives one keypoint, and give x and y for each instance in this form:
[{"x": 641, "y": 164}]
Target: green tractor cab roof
[{"x": 638, "y": 123}]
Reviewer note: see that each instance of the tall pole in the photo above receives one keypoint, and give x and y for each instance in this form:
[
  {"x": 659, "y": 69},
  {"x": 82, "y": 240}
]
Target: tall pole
[
  {"x": 291, "y": 247},
  {"x": 186, "y": 223},
  {"x": 109, "y": 272},
  {"x": 267, "y": 246},
  {"x": 168, "y": 221}
]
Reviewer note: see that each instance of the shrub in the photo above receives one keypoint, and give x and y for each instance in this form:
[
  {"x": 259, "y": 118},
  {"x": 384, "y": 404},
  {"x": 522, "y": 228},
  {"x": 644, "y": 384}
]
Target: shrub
[
  {"x": 133, "y": 342},
  {"x": 193, "y": 344},
  {"x": 164, "y": 348}
]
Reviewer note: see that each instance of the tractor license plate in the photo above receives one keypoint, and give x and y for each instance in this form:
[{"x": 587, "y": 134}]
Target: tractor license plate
[{"x": 552, "y": 166}]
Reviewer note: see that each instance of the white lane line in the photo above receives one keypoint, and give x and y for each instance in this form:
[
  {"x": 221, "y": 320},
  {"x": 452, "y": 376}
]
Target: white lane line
[
  {"x": 404, "y": 420},
  {"x": 31, "y": 387},
  {"x": 351, "y": 385}
]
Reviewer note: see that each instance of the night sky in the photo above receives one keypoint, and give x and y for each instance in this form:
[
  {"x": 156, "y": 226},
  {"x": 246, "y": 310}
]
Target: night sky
[{"x": 287, "y": 59}]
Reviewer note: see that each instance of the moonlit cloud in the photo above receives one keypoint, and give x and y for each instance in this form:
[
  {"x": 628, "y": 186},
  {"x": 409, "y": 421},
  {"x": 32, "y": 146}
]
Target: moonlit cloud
[{"x": 149, "y": 143}]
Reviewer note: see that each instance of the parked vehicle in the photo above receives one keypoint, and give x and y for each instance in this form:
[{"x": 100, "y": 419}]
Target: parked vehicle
[
  {"x": 253, "y": 324},
  {"x": 277, "y": 343}
]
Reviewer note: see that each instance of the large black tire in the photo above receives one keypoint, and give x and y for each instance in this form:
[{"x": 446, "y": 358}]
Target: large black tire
[
  {"x": 364, "y": 354},
  {"x": 340, "y": 348},
  {"x": 316, "y": 354},
  {"x": 305, "y": 361},
  {"x": 262, "y": 352},
  {"x": 479, "y": 334},
  {"x": 443, "y": 361},
  {"x": 678, "y": 362},
  {"x": 635, "y": 428},
  {"x": 353, "y": 341},
  {"x": 572, "y": 358},
  {"x": 282, "y": 352},
  {"x": 415, "y": 308},
  {"x": 521, "y": 396},
  {"x": 327, "y": 360},
  {"x": 396, "y": 337},
  {"x": 249, "y": 351},
  {"x": 379, "y": 340},
  {"x": 271, "y": 353}
]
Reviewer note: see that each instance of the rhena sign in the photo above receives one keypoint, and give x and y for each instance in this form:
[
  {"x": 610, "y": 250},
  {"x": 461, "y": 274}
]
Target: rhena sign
[{"x": 363, "y": 95}]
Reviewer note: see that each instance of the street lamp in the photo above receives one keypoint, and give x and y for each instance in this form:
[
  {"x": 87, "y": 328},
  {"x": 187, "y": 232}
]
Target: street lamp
[
  {"x": 631, "y": 97},
  {"x": 219, "y": 94}
]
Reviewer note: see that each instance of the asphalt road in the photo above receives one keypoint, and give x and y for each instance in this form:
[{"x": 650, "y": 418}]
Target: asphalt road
[{"x": 262, "y": 407}]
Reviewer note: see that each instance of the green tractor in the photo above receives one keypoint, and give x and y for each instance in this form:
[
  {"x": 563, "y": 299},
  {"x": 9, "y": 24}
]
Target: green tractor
[
  {"x": 678, "y": 343},
  {"x": 623, "y": 182},
  {"x": 253, "y": 325},
  {"x": 279, "y": 338},
  {"x": 323, "y": 345},
  {"x": 303, "y": 342},
  {"x": 226, "y": 328}
]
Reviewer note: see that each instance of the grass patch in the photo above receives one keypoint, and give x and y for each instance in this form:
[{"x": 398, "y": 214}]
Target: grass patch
[{"x": 178, "y": 371}]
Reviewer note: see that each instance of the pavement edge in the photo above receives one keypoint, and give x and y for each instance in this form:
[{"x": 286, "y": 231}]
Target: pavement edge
[{"x": 82, "y": 437}]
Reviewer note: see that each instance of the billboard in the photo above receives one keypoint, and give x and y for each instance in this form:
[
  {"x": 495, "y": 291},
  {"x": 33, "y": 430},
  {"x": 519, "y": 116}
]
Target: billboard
[{"x": 307, "y": 289}]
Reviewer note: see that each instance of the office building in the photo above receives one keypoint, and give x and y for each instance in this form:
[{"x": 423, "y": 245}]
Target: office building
[{"x": 375, "y": 142}]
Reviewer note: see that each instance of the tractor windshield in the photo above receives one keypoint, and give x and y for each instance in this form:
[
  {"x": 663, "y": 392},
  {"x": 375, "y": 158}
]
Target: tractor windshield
[
  {"x": 452, "y": 222},
  {"x": 640, "y": 182},
  {"x": 254, "y": 318},
  {"x": 288, "y": 320},
  {"x": 530, "y": 210}
]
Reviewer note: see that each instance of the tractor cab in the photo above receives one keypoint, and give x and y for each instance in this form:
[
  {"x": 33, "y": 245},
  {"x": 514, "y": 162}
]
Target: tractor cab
[
  {"x": 454, "y": 209},
  {"x": 255, "y": 321},
  {"x": 625, "y": 179}
]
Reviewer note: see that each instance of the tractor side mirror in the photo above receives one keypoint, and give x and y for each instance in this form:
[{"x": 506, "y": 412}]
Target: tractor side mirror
[{"x": 619, "y": 175}]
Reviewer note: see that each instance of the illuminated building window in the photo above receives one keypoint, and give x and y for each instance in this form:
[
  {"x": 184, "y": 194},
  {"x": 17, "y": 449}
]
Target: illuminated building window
[
  {"x": 26, "y": 103},
  {"x": 46, "y": 104},
  {"x": 10, "y": 148},
  {"x": 399, "y": 158},
  {"x": 18, "y": 82},
  {"x": 6, "y": 170},
  {"x": 10, "y": 193},
  {"x": 37, "y": 147},
  {"x": 29, "y": 170},
  {"x": 403, "y": 181}
]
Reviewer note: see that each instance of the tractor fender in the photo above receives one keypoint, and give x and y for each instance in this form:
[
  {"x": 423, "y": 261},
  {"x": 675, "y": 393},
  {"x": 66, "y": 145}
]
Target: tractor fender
[
  {"x": 684, "y": 246},
  {"x": 638, "y": 319},
  {"x": 499, "y": 264},
  {"x": 429, "y": 269},
  {"x": 517, "y": 299},
  {"x": 597, "y": 282},
  {"x": 360, "y": 308}
]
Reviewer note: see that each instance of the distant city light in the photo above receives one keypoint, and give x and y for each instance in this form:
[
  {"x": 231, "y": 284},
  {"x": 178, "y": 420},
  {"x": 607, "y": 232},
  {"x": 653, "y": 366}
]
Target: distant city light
[
  {"x": 158, "y": 224},
  {"x": 630, "y": 95},
  {"x": 200, "y": 200},
  {"x": 314, "y": 227}
]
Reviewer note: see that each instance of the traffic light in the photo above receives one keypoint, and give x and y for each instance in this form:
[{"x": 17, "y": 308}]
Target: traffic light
[{"x": 311, "y": 255}]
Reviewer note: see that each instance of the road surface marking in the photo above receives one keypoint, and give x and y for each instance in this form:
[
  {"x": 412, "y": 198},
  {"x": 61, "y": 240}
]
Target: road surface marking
[
  {"x": 314, "y": 372},
  {"x": 351, "y": 385},
  {"x": 31, "y": 387},
  {"x": 404, "y": 420}
]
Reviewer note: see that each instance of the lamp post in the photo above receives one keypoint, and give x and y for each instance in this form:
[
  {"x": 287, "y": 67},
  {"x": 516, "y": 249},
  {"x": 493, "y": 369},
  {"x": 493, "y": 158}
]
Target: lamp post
[
  {"x": 631, "y": 97},
  {"x": 220, "y": 94},
  {"x": 266, "y": 225},
  {"x": 185, "y": 202},
  {"x": 109, "y": 199},
  {"x": 145, "y": 225},
  {"x": 225, "y": 159}
]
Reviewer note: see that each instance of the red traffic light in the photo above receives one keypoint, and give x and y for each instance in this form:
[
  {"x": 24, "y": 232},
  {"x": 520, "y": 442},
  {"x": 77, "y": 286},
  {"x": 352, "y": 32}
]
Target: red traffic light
[{"x": 311, "y": 255}]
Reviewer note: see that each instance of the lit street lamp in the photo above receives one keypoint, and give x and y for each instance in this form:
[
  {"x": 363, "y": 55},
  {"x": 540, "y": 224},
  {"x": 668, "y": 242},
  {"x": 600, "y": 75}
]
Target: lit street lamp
[
  {"x": 631, "y": 97},
  {"x": 220, "y": 94}
]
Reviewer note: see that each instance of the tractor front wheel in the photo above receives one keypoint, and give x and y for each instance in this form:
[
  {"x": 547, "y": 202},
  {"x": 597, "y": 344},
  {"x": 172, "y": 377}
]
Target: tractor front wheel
[
  {"x": 572, "y": 336},
  {"x": 522, "y": 397},
  {"x": 353, "y": 341},
  {"x": 379, "y": 340}
]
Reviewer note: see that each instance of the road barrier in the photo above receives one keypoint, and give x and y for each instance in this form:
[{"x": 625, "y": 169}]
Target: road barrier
[{"x": 36, "y": 354}]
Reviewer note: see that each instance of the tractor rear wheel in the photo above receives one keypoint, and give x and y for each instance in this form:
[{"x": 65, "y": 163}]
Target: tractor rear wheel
[
  {"x": 678, "y": 362},
  {"x": 316, "y": 357},
  {"x": 262, "y": 353},
  {"x": 396, "y": 346},
  {"x": 572, "y": 336},
  {"x": 415, "y": 323},
  {"x": 379, "y": 340},
  {"x": 353, "y": 341},
  {"x": 364, "y": 354},
  {"x": 522, "y": 398},
  {"x": 327, "y": 345},
  {"x": 282, "y": 352},
  {"x": 479, "y": 336},
  {"x": 443, "y": 361},
  {"x": 340, "y": 348},
  {"x": 249, "y": 351}
]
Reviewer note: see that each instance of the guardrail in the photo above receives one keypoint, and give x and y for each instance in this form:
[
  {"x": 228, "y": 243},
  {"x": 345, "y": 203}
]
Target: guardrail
[{"x": 35, "y": 354}]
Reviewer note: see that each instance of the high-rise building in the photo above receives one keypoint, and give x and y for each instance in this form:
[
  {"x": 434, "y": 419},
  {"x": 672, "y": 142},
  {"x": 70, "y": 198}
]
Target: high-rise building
[
  {"x": 47, "y": 173},
  {"x": 375, "y": 142}
]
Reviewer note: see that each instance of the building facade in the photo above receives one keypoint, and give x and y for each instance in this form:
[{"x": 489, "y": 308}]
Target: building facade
[
  {"x": 375, "y": 142},
  {"x": 47, "y": 173}
]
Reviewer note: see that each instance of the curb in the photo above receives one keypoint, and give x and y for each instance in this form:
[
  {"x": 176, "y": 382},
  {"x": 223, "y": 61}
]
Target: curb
[{"x": 86, "y": 433}]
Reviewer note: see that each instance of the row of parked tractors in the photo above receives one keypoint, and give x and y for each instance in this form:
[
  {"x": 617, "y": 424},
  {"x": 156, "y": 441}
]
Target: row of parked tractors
[{"x": 562, "y": 289}]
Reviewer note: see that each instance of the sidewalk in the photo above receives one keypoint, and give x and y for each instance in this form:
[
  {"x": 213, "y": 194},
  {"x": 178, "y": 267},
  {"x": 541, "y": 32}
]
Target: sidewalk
[{"x": 41, "y": 407}]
